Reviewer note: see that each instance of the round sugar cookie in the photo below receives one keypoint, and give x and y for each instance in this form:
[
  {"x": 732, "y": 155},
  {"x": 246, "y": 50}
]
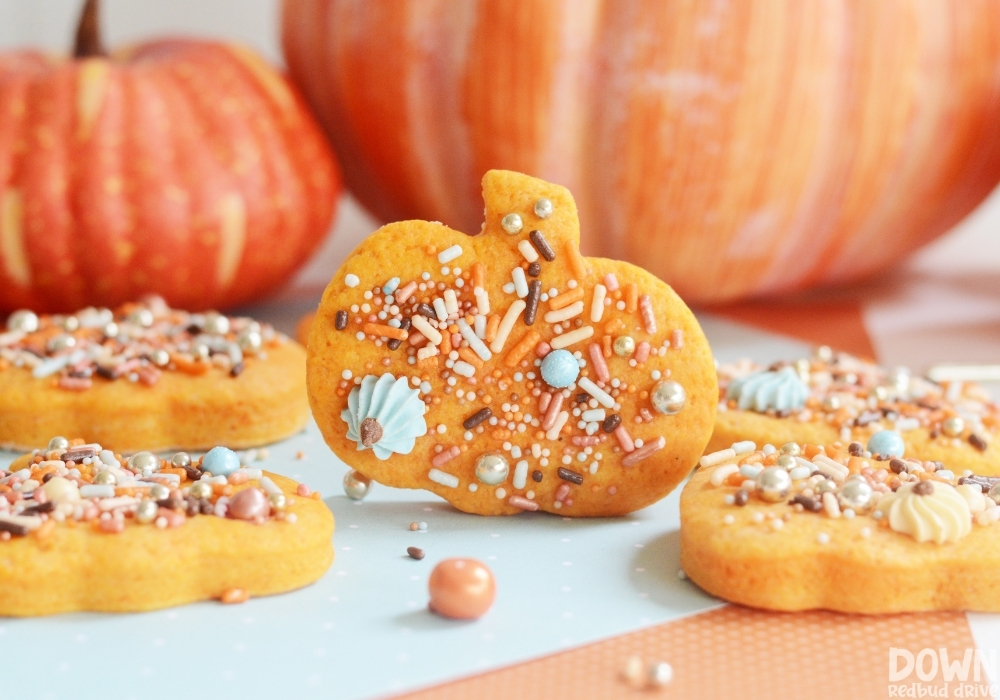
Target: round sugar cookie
[
  {"x": 504, "y": 371},
  {"x": 149, "y": 377},
  {"x": 157, "y": 550},
  {"x": 850, "y": 535},
  {"x": 835, "y": 396}
]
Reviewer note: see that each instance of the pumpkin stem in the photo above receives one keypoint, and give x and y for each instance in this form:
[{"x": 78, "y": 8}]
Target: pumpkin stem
[{"x": 88, "y": 32}]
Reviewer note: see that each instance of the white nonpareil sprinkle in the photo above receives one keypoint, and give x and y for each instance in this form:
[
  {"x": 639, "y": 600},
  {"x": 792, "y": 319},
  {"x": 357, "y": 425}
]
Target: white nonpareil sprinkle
[
  {"x": 352, "y": 280},
  {"x": 823, "y": 538},
  {"x": 443, "y": 478},
  {"x": 449, "y": 254}
]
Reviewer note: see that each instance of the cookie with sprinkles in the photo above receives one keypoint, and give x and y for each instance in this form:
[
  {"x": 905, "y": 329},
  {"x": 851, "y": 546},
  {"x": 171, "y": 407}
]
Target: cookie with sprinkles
[
  {"x": 861, "y": 527},
  {"x": 835, "y": 396},
  {"x": 146, "y": 376},
  {"x": 82, "y": 528},
  {"x": 506, "y": 372}
]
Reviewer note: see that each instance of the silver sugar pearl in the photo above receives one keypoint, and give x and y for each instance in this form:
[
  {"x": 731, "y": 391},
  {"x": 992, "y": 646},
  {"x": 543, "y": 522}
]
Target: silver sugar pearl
[
  {"x": 71, "y": 323},
  {"x": 181, "y": 459},
  {"x": 773, "y": 484},
  {"x": 831, "y": 403},
  {"x": 110, "y": 330},
  {"x": 953, "y": 427},
  {"x": 855, "y": 494},
  {"x": 23, "y": 320},
  {"x": 58, "y": 443},
  {"x": 146, "y": 511},
  {"x": 159, "y": 491},
  {"x": 512, "y": 223},
  {"x": 668, "y": 397},
  {"x": 543, "y": 208},
  {"x": 791, "y": 448},
  {"x": 624, "y": 346},
  {"x": 141, "y": 461},
  {"x": 881, "y": 393},
  {"x": 356, "y": 485},
  {"x": 825, "y": 486},
  {"x": 492, "y": 468},
  {"x": 141, "y": 317},
  {"x": 200, "y": 489},
  {"x": 215, "y": 323},
  {"x": 278, "y": 501},
  {"x": 250, "y": 341},
  {"x": 160, "y": 357},
  {"x": 660, "y": 674},
  {"x": 787, "y": 462},
  {"x": 61, "y": 342},
  {"x": 105, "y": 478},
  {"x": 200, "y": 350},
  {"x": 824, "y": 353}
]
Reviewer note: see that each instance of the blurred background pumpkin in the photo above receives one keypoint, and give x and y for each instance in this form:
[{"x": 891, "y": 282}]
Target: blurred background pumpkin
[
  {"x": 186, "y": 168},
  {"x": 733, "y": 148}
]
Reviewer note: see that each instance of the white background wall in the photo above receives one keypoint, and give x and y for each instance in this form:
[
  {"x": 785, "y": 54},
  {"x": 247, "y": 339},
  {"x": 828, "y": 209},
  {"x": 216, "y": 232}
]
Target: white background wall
[{"x": 973, "y": 246}]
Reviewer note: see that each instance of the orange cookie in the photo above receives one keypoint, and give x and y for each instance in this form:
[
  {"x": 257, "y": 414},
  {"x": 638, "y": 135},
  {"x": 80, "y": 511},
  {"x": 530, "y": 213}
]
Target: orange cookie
[
  {"x": 149, "y": 377},
  {"x": 504, "y": 371},
  {"x": 835, "y": 396},
  {"x": 841, "y": 528},
  {"x": 81, "y": 529}
]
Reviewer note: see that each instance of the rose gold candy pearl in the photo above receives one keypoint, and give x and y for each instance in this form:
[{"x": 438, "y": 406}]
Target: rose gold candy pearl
[
  {"x": 462, "y": 589},
  {"x": 249, "y": 504}
]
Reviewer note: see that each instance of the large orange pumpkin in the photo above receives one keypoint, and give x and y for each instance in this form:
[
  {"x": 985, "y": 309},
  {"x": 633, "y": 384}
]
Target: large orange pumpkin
[
  {"x": 733, "y": 148},
  {"x": 186, "y": 168}
]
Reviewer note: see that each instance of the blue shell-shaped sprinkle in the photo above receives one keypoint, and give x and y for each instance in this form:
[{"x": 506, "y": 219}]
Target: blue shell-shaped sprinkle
[
  {"x": 782, "y": 390},
  {"x": 394, "y": 406}
]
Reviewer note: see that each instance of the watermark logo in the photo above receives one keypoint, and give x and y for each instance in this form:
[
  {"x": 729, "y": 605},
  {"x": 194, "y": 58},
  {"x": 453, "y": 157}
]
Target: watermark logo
[{"x": 940, "y": 673}]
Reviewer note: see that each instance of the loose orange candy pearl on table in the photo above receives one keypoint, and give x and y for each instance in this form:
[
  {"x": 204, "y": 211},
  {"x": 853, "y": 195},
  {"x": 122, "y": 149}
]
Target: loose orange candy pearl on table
[{"x": 462, "y": 589}]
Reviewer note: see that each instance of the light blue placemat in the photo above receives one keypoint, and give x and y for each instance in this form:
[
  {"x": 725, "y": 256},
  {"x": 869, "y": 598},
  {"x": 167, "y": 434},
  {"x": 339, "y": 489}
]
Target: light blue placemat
[{"x": 363, "y": 630}]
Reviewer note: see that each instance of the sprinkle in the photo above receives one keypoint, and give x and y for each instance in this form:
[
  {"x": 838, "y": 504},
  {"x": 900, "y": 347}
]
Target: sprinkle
[
  {"x": 723, "y": 473},
  {"x": 677, "y": 339},
  {"x": 571, "y": 476},
  {"x": 534, "y": 269},
  {"x": 603, "y": 397},
  {"x": 710, "y": 460},
  {"x": 404, "y": 325},
  {"x": 98, "y": 491},
  {"x": 479, "y": 275},
  {"x": 566, "y": 298},
  {"x": 469, "y": 356},
  {"x": 527, "y": 250},
  {"x": 492, "y": 325},
  {"x": 378, "y": 329},
  {"x": 518, "y": 352},
  {"x": 631, "y": 297},
  {"x": 473, "y": 340},
  {"x": 450, "y": 302},
  {"x": 594, "y": 414},
  {"x": 522, "y": 503},
  {"x": 507, "y": 324},
  {"x": 405, "y": 292},
  {"x": 390, "y": 286},
  {"x": 427, "y": 352},
  {"x": 574, "y": 336},
  {"x": 642, "y": 352},
  {"x": 464, "y": 369},
  {"x": 624, "y": 439},
  {"x": 645, "y": 451},
  {"x": 482, "y": 300},
  {"x": 575, "y": 260},
  {"x": 565, "y": 313},
  {"x": 352, "y": 280},
  {"x": 445, "y": 456},
  {"x": 648, "y": 317},
  {"x": 449, "y": 254},
  {"x": 978, "y": 442},
  {"x": 426, "y": 311},
  {"x": 425, "y": 329},
  {"x": 562, "y": 492},
  {"x": 541, "y": 245},
  {"x": 443, "y": 478},
  {"x": 611, "y": 282},
  {"x": 477, "y": 418},
  {"x": 830, "y": 468},
  {"x": 611, "y": 422},
  {"x": 415, "y": 553},
  {"x": 479, "y": 325},
  {"x": 823, "y": 538},
  {"x": 440, "y": 310},
  {"x": 341, "y": 321},
  {"x": 597, "y": 304},
  {"x": 520, "y": 474},
  {"x": 597, "y": 360},
  {"x": 742, "y": 448},
  {"x": 534, "y": 292},
  {"x": 552, "y": 409},
  {"x": 553, "y": 432},
  {"x": 520, "y": 282}
]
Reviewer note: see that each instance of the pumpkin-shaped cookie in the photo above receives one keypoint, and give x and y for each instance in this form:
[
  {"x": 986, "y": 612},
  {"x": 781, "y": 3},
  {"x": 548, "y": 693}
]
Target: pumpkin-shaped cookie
[{"x": 506, "y": 372}]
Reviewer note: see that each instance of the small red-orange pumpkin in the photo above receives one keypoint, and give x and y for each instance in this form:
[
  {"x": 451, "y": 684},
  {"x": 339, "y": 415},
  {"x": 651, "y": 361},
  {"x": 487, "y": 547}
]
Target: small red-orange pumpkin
[
  {"x": 733, "y": 148},
  {"x": 186, "y": 168}
]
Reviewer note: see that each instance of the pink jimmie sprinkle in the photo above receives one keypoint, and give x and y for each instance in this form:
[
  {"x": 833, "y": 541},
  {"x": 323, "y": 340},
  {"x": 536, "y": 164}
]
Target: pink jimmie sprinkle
[
  {"x": 642, "y": 352},
  {"x": 543, "y": 401},
  {"x": 611, "y": 282},
  {"x": 624, "y": 439},
  {"x": 404, "y": 292},
  {"x": 600, "y": 366},
  {"x": 446, "y": 456},
  {"x": 677, "y": 339},
  {"x": 522, "y": 503},
  {"x": 585, "y": 440},
  {"x": 648, "y": 317},
  {"x": 562, "y": 492},
  {"x": 645, "y": 451},
  {"x": 555, "y": 405}
]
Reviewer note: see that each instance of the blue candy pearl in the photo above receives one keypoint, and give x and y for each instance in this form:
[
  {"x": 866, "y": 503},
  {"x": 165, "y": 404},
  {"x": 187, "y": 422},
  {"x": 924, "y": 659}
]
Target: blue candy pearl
[
  {"x": 220, "y": 461},
  {"x": 887, "y": 443},
  {"x": 560, "y": 369}
]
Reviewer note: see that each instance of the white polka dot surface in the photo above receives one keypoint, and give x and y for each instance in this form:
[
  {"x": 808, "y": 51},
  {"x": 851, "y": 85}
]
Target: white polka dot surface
[{"x": 364, "y": 630}]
